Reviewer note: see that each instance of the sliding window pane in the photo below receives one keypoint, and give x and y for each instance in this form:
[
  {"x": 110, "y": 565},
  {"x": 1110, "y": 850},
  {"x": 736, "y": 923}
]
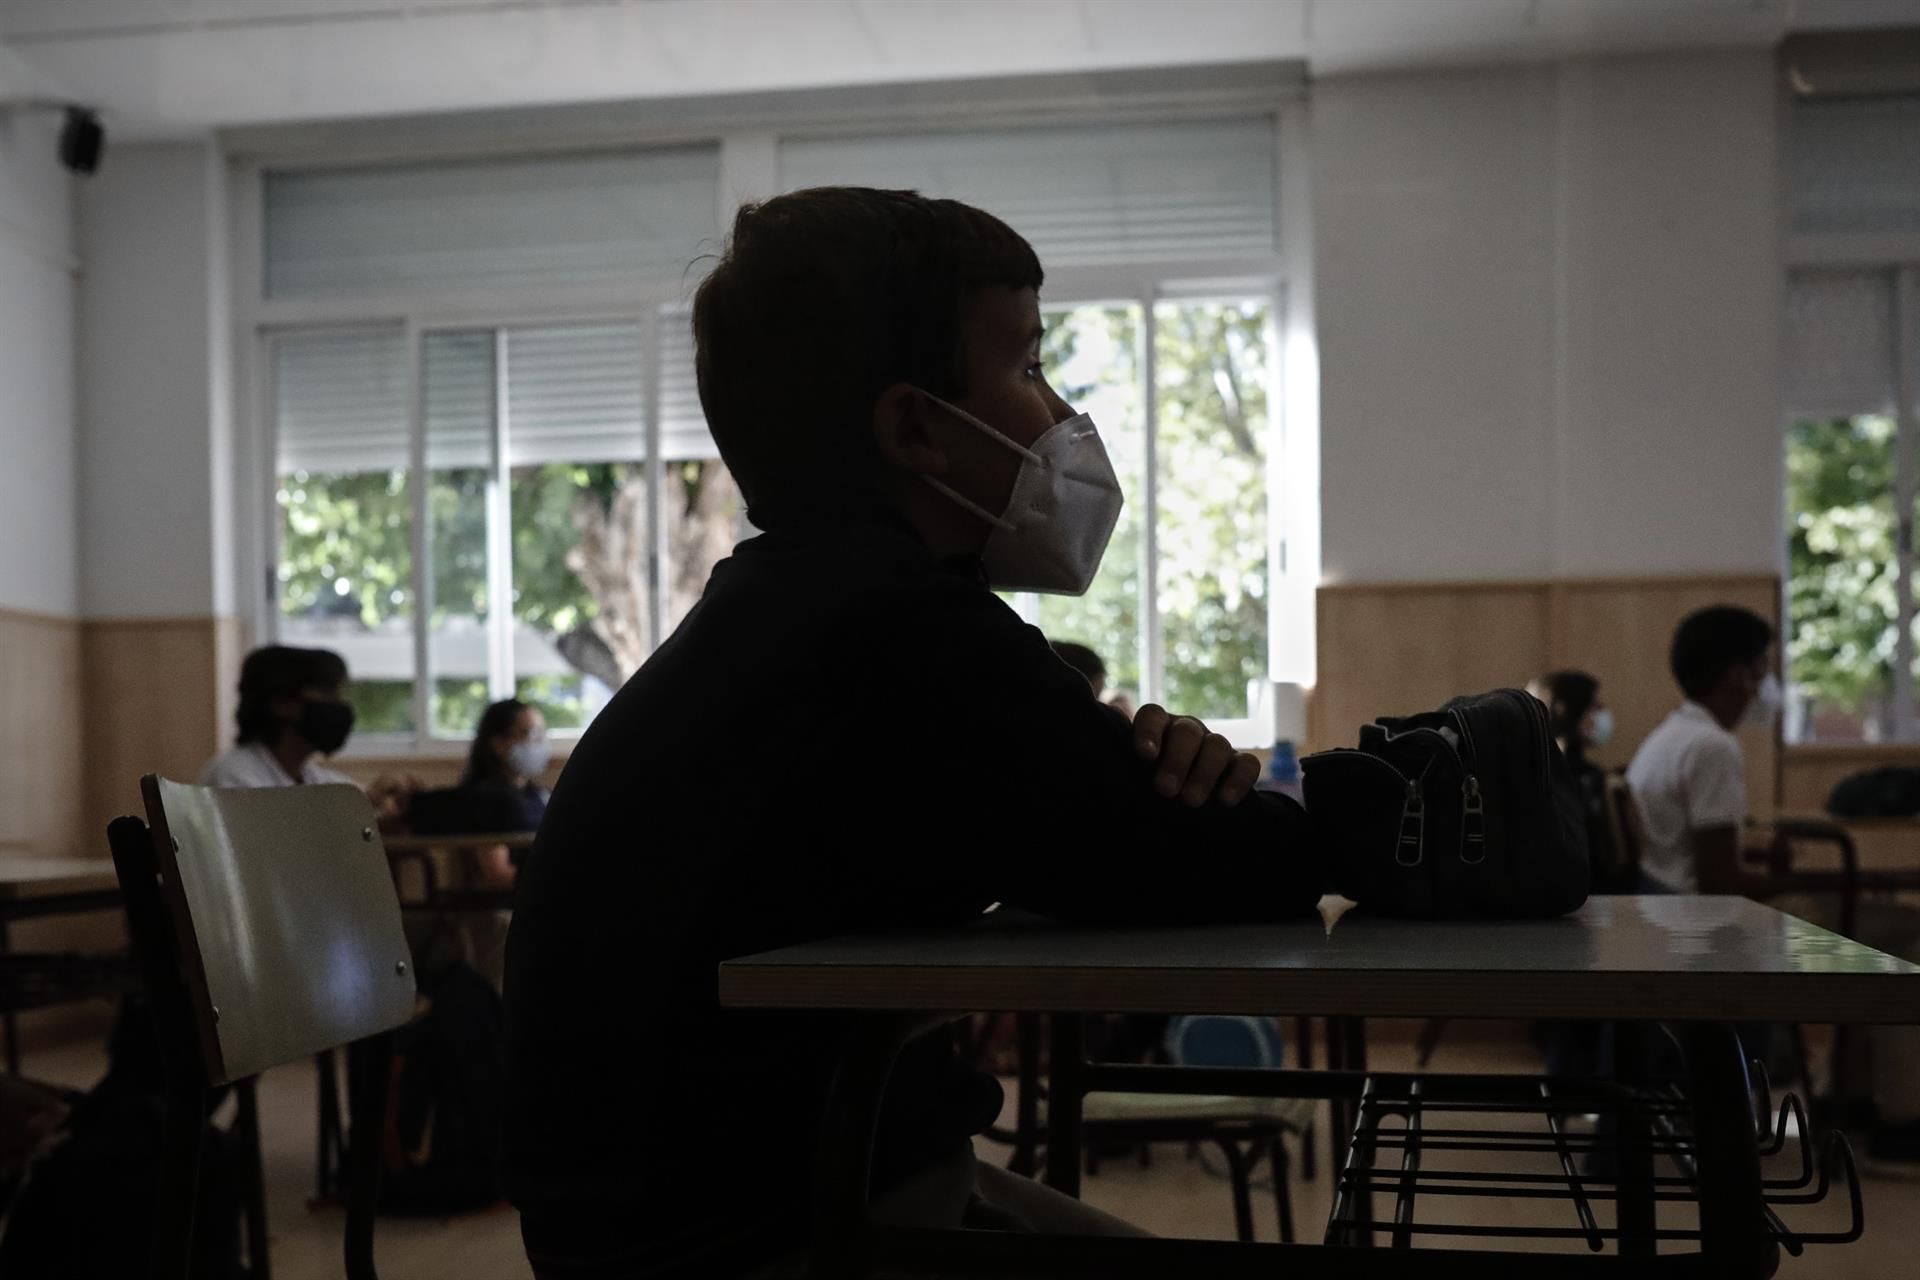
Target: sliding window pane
[
  {"x": 459, "y": 371},
  {"x": 703, "y": 515},
  {"x": 576, "y": 440},
  {"x": 1841, "y": 586},
  {"x": 579, "y": 584},
  {"x": 344, "y": 575},
  {"x": 1211, "y": 370},
  {"x": 1092, "y": 359}
]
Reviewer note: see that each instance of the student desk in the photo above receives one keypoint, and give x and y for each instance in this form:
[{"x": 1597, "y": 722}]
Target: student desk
[
  {"x": 35, "y": 888},
  {"x": 434, "y": 855},
  {"x": 1697, "y": 964}
]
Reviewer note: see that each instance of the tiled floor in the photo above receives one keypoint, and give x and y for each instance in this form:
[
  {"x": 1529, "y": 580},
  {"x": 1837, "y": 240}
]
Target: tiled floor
[{"x": 1175, "y": 1196}]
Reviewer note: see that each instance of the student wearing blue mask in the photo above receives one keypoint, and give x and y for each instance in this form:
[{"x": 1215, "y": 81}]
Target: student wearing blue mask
[{"x": 869, "y": 364}]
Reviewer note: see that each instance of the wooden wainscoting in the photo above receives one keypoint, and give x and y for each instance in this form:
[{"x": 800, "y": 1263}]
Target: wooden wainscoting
[
  {"x": 40, "y": 735},
  {"x": 42, "y": 789},
  {"x": 1393, "y": 648},
  {"x": 160, "y": 695}
]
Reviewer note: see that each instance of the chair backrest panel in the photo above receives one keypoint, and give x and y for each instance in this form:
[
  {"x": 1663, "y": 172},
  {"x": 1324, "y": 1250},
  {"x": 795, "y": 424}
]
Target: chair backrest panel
[
  {"x": 1623, "y": 816},
  {"x": 284, "y": 908}
]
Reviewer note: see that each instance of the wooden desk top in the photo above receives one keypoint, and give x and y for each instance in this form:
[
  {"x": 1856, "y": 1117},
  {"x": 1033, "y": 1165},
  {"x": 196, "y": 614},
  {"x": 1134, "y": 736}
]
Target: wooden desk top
[
  {"x": 20, "y": 877},
  {"x": 1679, "y": 958}
]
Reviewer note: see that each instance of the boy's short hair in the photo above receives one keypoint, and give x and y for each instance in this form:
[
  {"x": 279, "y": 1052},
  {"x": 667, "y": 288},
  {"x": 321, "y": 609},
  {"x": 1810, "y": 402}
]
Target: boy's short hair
[
  {"x": 280, "y": 671},
  {"x": 822, "y": 299},
  {"x": 1711, "y": 640},
  {"x": 1081, "y": 659}
]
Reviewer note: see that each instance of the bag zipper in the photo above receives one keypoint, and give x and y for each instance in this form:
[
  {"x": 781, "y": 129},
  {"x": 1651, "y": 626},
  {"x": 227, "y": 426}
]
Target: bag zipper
[
  {"x": 1473, "y": 823},
  {"x": 1473, "y": 813},
  {"x": 1413, "y": 822},
  {"x": 1413, "y": 817}
]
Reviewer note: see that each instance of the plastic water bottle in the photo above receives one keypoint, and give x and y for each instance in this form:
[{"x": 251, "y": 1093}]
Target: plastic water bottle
[{"x": 1283, "y": 770}]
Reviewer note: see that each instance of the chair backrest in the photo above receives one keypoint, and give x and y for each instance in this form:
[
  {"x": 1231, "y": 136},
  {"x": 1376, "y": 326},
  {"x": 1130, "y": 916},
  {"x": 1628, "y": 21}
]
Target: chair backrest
[
  {"x": 1623, "y": 816},
  {"x": 284, "y": 919}
]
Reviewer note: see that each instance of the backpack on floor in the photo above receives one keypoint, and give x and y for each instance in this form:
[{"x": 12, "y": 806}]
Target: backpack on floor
[{"x": 1467, "y": 811}]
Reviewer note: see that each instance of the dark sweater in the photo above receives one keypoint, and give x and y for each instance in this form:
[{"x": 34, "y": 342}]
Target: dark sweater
[{"x": 843, "y": 735}]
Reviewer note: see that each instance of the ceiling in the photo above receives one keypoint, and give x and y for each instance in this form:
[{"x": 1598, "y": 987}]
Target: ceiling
[{"x": 180, "y": 67}]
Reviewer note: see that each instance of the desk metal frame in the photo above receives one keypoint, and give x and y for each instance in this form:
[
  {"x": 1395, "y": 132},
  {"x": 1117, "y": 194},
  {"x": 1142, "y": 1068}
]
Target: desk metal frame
[{"x": 1734, "y": 1236}]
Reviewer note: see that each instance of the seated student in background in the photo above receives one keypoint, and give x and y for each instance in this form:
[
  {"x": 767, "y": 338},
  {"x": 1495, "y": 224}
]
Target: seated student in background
[
  {"x": 1581, "y": 722},
  {"x": 293, "y": 709},
  {"x": 1689, "y": 780},
  {"x": 1089, "y": 664},
  {"x": 499, "y": 792},
  {"x": 509, "y": 756},
  {"x": 1085, "y": 661},
  {"x": 869, "y": 364},
  {"x": 1689, "y": 776}
]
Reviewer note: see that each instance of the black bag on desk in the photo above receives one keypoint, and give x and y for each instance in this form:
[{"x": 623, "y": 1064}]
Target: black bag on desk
[{"x": 1470, "y": 810}]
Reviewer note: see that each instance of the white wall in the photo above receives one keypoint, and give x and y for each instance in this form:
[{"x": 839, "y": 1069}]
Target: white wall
[
  {"x": 1548, "y": 317},
  {"x": 38, "y": 530},
  {"x": 153, "y": 338}
]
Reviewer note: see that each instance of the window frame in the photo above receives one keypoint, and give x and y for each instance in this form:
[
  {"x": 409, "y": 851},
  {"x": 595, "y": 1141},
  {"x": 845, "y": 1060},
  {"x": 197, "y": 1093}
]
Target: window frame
[
  {"x": 1897, "y": 255},
  {"x": 748, "y": 167}
]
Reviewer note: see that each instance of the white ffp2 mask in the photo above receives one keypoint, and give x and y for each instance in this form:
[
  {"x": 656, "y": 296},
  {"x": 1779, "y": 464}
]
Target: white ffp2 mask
[
  {"x": 1060, "y": 513},
  {"x": 530, "y": 758},
  {"x": 1602, "y": 732},
  {"x": 1767, "y": 699}
]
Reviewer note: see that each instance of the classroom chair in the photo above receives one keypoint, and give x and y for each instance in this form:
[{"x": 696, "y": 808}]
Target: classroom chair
[{"x": 266, "y": 929}]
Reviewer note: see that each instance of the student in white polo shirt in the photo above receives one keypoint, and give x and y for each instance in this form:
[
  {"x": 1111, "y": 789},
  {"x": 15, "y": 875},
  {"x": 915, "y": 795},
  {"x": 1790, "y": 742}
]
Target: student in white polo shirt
[
  {"x": 1689, "y": 780},
  {"x": 1689, "y": 776}
]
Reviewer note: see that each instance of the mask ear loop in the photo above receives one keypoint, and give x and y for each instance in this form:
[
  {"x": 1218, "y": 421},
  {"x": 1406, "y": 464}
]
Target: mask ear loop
[{"x": 998, "y": 522}]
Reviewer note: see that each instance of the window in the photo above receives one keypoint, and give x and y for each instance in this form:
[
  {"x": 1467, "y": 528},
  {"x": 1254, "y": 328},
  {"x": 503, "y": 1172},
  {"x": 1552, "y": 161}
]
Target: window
[
  {"x": 1169, "y": 232},
  {"x": 1851, "y": 385},
  {"x": 490, "y": 471},
  {"x": 1182, "y": 616},
  {"x": 471, "y": 508}
]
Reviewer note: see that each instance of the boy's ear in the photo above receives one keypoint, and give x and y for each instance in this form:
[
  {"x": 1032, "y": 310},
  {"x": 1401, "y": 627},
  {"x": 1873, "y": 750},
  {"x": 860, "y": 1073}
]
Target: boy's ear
[{"x": 900, "y": 431}]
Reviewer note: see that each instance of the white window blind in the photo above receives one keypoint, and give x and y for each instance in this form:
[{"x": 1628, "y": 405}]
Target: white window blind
[
  {"x": 573, "y": 393},
  {"x": 1085, "y": 194},
  {"x": 1855, "y": 165},
  {"x": 340, "y": 401},
  {"x": 457, "y": 370},
  {"x": 683, "y": 427},
  {"x": 1840, "y": 335},
  {"x": 625, "y": 217}
]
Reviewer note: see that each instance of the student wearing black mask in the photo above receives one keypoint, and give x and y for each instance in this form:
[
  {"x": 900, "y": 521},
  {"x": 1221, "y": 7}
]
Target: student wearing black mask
[{"x": 293, "y": 709}]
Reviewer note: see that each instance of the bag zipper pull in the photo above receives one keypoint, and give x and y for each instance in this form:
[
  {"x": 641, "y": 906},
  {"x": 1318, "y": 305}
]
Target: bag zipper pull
[
  {"x": 1412, "y": 821},
  {"x": 1473, "y": 820}
]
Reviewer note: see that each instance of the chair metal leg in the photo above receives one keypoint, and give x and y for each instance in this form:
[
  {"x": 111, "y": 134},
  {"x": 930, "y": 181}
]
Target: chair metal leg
[
  {"x": 1241, "y": 1178},
  {"x": 1636, "y": 1209},
  {"x": 329, "y": 1144},
  {"x": 1066, "y": 1095},
  {"x": 1282, "y": 1193},
  {"x": 246, "y": 1126},
  {"x": 369, "y": 1071},
  {"x": 1303, "y": 1032},
  {"x": 7, "y": 1019},
  {"x": 1733, "y": 1235},
  {"x": 1026, "y": 1159},
  {"x": 182, "y": 1145}
]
